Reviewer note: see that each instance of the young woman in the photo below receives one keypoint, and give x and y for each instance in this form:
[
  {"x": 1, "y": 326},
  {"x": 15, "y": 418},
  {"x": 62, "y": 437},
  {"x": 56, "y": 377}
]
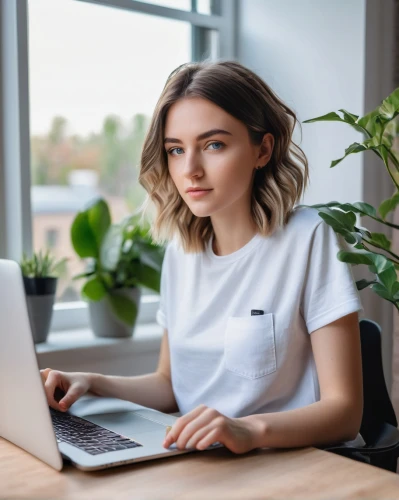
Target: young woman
[{"x": 261, "y": 337}]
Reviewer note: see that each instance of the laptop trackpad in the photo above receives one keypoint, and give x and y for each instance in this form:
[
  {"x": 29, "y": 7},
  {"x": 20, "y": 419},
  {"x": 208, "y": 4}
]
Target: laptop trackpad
[
  {"x": 125, "y": 423},
  {"x": 93, "y": 405}
]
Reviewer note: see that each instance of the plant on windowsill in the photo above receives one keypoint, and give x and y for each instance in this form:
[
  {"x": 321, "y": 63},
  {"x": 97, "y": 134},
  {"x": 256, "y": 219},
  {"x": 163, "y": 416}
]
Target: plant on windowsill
[
  {"x": 121, "y": 259},
  {"x": 380, "y": 128},
  {"x": 40, "y": 274}
]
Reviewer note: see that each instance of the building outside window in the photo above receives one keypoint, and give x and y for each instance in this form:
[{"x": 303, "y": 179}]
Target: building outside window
[{"x": 51, "y": 238}]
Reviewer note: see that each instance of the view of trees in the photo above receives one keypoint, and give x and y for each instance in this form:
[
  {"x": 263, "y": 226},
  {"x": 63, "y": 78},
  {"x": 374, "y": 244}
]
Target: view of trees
[{"x": 114, "y": 153}]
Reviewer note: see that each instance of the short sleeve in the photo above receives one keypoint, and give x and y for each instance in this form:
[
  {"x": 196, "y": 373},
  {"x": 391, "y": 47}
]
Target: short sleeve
[
  {"x": 161, "y": 314},
  {"x": 330, "y": 290}
]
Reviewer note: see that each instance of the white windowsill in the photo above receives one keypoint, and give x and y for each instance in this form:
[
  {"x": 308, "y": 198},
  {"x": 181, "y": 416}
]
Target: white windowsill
[
  {"x": 145, "y": 336},
  {"x": 80, "y": 346}
]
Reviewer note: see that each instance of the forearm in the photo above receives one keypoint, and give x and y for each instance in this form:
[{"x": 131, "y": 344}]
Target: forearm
[
  {"x": 153, "y": 390},
  {"x": 323, "y": 422}
]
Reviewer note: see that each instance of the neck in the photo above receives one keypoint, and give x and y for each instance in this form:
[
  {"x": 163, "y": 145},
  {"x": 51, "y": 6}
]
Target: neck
[{"x": 229, "y": 240}]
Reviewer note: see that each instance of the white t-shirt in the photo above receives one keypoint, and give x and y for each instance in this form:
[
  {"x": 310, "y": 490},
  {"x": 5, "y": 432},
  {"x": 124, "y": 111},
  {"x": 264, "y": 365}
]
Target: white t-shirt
[{"x": 239, "y": 364}]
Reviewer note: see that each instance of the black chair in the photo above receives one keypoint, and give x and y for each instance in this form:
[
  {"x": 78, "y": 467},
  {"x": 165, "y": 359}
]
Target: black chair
[{"x": 379, "y": 427}]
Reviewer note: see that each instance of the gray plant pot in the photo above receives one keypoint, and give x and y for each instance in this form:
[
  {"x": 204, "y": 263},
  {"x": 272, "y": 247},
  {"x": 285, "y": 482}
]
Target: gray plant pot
[
  {"x": 40, "y": 311},
  {"x": 104, "y": 323},
  {"x": 40, "y": 295}
]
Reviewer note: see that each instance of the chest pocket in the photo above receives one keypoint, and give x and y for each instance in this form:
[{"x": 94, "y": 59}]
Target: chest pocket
[{"x": 249, "y": 346}]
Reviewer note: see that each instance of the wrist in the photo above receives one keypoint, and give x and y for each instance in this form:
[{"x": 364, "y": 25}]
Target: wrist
[
  {"x": 94, "y": 382},
  {"x": 258, "y": 428}
]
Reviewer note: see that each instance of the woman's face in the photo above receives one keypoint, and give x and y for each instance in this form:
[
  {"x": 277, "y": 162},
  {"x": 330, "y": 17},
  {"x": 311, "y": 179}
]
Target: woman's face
[{"x": 208, "y": 148}]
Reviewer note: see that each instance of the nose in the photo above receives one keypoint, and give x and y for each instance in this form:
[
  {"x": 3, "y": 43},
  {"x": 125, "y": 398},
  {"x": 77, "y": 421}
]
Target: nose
[{"x": 192, "y": 165}]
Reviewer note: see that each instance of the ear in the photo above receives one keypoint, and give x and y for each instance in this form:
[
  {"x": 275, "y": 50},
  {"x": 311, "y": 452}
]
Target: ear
[{"x": 265, "y": 150}]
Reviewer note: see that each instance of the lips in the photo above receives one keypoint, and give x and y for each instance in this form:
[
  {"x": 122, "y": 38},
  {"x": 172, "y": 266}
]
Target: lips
[
  {"x": 198, "y": 193},
  {"x": 190, "y": 190}
]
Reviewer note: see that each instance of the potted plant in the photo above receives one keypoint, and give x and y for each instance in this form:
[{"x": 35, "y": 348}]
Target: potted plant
[
  {"x": 40, "y": 273},
  {"x": 380, "y": 130},
  {"x": 121, "y": 258}
]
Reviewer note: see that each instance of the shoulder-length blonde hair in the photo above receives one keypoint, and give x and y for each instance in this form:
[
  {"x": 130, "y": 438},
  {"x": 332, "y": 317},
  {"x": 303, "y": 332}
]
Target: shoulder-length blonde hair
[{"x": 244, "y": 95}]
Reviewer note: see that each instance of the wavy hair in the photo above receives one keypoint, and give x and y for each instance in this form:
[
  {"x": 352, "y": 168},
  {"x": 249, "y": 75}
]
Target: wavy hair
[{"x": 245, "y": 96}]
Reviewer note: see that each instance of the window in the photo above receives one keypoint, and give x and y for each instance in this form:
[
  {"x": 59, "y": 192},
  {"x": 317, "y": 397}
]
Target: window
[
  {"x": 201, "y": 6},
  {"x": 90, "y": 104},
  {"x": 88, "y": 77},
  {"x": 174, "y": 4}
]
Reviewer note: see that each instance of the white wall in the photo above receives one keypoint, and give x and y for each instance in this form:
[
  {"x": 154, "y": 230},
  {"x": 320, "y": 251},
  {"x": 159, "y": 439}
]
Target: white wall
[{"x": 311, "y": 52}]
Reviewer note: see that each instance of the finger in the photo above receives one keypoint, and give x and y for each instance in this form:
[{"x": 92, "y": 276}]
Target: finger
[
  {"x": 44, "y": 374},
  {"x": 53, "y": 381},
  {"x": 220, "y": 425},
  {"x": 208, "y": 417},
  {"x": 199, "y": 435},
  {"x": 58, "y": 394},
  {"x": 189, "y": 431},
  {"x": 73, "y": 394},
  {"x": 168, "y": 429},
  {"x": 210, "y": 438},
  {"x": 179, "y": 425}
]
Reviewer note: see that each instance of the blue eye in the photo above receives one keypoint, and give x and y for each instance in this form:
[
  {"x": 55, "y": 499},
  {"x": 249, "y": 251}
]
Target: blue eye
[
  {"x": 179, "y": 151},
  {"x": 219, "y": 144},
  {"x": 171, "y": 151}
]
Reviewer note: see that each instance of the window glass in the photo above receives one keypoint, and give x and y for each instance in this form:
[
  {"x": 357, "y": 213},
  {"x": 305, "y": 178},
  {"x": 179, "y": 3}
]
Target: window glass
[
  {"x": 95, "y": 74},
  {"x": 205, "y": 7},
  {"x": 51, "y": 238},
  {"x": 201, "y": 6},
  {"x": 173, "y": 4}
]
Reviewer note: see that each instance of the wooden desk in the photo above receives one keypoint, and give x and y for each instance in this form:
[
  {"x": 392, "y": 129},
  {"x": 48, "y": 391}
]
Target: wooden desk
[{"x": 216, "y": 474}]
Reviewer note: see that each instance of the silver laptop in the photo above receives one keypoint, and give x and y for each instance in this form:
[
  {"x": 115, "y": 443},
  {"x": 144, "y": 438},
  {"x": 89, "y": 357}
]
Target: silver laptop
[{"x": 96, "y": 433}]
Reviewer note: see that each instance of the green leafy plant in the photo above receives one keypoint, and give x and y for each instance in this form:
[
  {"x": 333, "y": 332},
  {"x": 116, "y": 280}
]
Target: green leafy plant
[
  {"x": 380, "y": 129},
  {"x": 41, "y": 265},
  {"x": 118, "y": 256}
]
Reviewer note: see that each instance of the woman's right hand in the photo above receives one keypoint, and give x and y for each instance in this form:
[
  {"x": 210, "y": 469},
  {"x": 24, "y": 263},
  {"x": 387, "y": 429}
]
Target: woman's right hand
[{"x": 64, "y": 388}]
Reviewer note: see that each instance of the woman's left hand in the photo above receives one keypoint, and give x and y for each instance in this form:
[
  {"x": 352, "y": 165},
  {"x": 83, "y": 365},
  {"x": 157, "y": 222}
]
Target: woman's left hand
[{"x": 204, "y": 426}]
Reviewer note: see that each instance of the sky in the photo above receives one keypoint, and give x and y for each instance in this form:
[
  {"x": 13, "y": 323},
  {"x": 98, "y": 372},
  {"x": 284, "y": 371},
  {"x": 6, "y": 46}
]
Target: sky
[{"x": 87, "y": 61}]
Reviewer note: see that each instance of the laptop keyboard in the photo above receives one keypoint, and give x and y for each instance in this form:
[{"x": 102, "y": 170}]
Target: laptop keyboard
[{"x": 87, "y": 436}]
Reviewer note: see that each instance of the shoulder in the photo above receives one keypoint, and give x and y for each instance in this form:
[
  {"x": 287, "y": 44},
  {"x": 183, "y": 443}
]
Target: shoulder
[
  {"x": 175, "y": 248},
  {"x": 174, "y": 253},
  {"x": 170, "y": 250},
  {"x": 303, "y": 227},
  {"x": 306, "y": 228},
  {"x": 304, "y": 217},
  {"x": 302, "y": 221}
]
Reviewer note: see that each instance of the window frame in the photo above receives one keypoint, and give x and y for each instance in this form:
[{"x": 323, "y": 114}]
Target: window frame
[{"x": 15, "y": 174}]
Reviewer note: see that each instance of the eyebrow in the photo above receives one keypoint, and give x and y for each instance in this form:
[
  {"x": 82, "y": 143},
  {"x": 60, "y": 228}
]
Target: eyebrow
[{"x": 200, "y": 137}]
